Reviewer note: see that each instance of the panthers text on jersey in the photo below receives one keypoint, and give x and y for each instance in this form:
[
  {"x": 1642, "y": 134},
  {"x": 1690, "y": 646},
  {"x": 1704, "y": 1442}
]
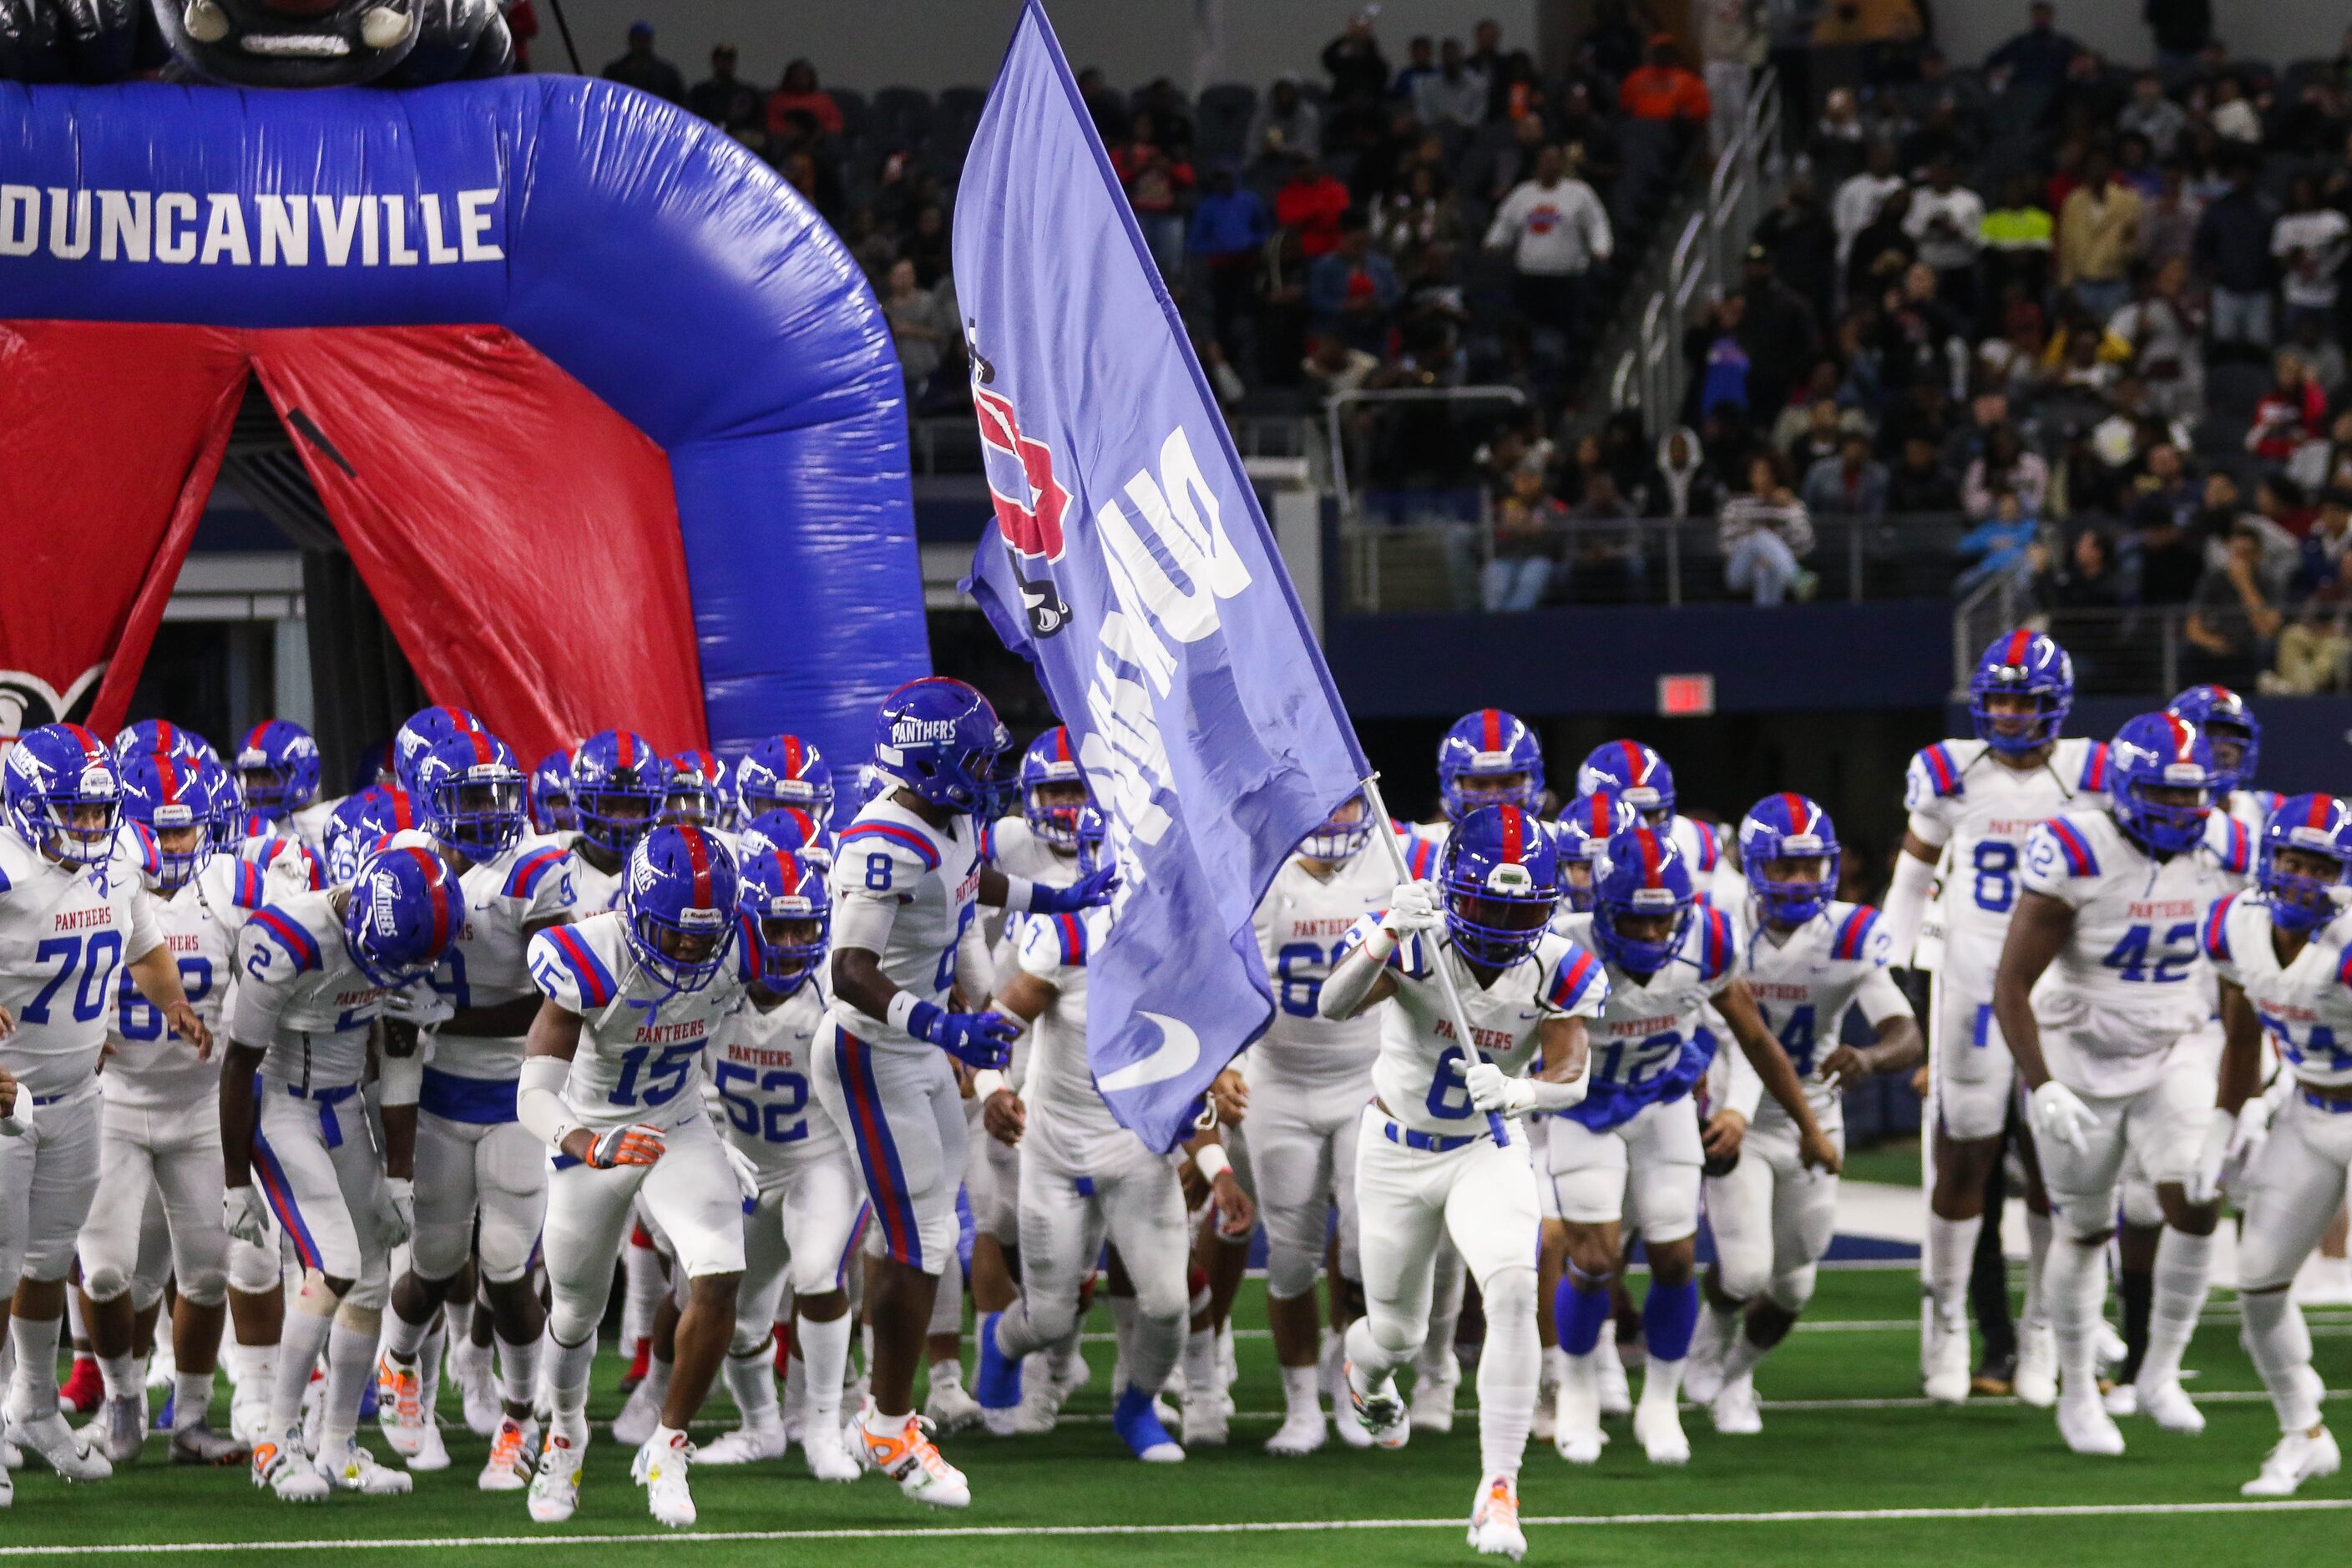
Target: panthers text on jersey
[
  {"x": 1640, "y": 1037},
  {"x": 528, "y": 884},
  {"x": 895, "y": 869},
  {"x": 2305, "y": 1006},
  {"x": 1418, "y": 1073},
  {"x": 761, "y": 1065},
  {"x": 300, "y": 1000},
  {"x": 152, "y": 1068},
  {"x": 1804, "y": 983},
  {"x": 63, "y": 935},
  {"x": 1964, "y": 800}
]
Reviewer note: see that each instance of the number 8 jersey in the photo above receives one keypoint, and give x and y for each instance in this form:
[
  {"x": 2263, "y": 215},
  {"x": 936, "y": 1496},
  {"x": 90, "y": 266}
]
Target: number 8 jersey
[
  {"x": 904, "y": 890},
  {"x": 1976, "y": 808},
  {"x": 641, "y": 1044}
]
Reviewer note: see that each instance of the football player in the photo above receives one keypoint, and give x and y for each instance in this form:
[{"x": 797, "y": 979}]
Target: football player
[
  {"x": 153, "y": 1148},
  {"x": 788, "y": 830},
  {"x": 278, "y": 773},
  {"x": 697, "y": 796},
  {"x": 785, "y": 771},
  {"x": 1808, "y": 959},
  {"x": 1639, "y": 777},
  {"x": 72, "y": 914},
  {"x": 1668, "y": 958},
  {"x": 612, "y": 1084},
  {"x": 1426, "y": 1161},
  {"x": 424, "y": 730},
  {"x": 618, "y": 785},
  {"x": 2231, "y": 728},
  {"x": 359, "y": 822},
  {"x": 802, "y": 1234},
  {"x": 550, "y": 795},
  {"x": 2101, "y": 977},
  {"x": 2284, "y": 958},
  {"x": 906, "y": 884},
  {"x": 313, "y": 971},
  {"x": 1971, "y": 805},
  {"x": 481, "y": 1177}
]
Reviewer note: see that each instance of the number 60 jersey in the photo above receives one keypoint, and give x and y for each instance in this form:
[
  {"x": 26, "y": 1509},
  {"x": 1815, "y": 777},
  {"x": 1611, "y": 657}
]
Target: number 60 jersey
[
  {"x": 641, "y": 1044},
  {"x": 1978, "y": 810}
]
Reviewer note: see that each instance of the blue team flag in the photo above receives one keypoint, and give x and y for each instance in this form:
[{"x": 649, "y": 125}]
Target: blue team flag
[{"x": 1130, "y": 565}]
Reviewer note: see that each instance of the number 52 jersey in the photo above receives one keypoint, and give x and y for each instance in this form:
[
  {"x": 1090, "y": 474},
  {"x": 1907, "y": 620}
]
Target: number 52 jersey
[{"x": 1964, "y": 800}]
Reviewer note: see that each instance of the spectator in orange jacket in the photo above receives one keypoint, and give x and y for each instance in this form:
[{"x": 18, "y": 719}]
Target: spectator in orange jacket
[{"x": 1663, "y": 89}]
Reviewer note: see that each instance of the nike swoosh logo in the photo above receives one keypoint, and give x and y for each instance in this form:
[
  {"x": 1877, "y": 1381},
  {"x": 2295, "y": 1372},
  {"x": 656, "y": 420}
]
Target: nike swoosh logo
[{"x": 1177, "y": 1049}]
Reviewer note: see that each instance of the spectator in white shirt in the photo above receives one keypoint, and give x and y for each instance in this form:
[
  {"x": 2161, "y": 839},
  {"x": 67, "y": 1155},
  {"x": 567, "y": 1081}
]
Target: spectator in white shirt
[
  {"x": 1556, "y": 229},
  {"x": 1946, "y": 219},
  {"x": 2310, "y": 243},
  {"x": 1856, "y": 205}
]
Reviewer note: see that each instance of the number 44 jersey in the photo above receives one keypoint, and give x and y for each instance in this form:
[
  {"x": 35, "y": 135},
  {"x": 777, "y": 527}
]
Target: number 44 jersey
[
  {"x": 1966, "y": 801},
  {"x": 641, "y": 1044}
]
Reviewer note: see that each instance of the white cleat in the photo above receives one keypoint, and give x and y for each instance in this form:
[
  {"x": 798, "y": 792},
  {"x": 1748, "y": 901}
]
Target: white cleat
[
  {"x": 2122, "y": 1401},
  {"x": 661, "y": 1469},
  {"x": 1947, "y": 1361},
  {"x": 555, "y": 1485},
  {"x": 1575, "y": 1415},
  {"x": 400, "y": 1405},
  {"x": 2087, "y": 1427},
  {"x": 249, "y": 1414},
  {"x": 200, "y": 1445},
  {"x": 827, "y": 1451},
  {"x": 2300, "y": 1456},
  {"x": 514, "y": 1452},
  {"x": 2036, "y": 1381},
  {"x": 2168, "y": 1405},
  {"x": 640, "y": 1414},
  {"x": 1433, "y": 1400},
  {"x": 120, "y": 1428},
  {"x": 1703, "y": 1373},
  {"x": 1495, "y": 1520},
  {"x": 1381, "y": 1409},
  {"x": 283, "y": 1466},
  {"x": 1301, "y": 1433},
  {"x": 1734, "y": 1410},
  {"x": 77, "y": 1456},
  {"x": 950, "y": 1407},
  {"x": 1344, "y": 1419},
  {"x": 432, "y": 1454},
  {"x": 1040, "y": 1410},
  {"x": 478, "y": 1392},
  {"x": 1659, "y": 1429},
  {"x": 356, "y": 1470},
  {"x": 909, "y": 1457},
  {"x": 2112, "y": 1349},
  {"x": 746, "y": 1445},
  {"x": 1207, "y": 1420},
  {"x": 1616, "y": 1394}
]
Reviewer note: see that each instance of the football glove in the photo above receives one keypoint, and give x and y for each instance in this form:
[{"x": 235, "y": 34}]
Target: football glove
[
  {"x": 636, "y": 1144},
  {"x": 1087, "y": 893},
  {"x": 245, "y": 1215},
  {"x": 983, "y": 1040},
  {"x": 2060, "y": 1114},
  {"x": 1412, "y": 907}
]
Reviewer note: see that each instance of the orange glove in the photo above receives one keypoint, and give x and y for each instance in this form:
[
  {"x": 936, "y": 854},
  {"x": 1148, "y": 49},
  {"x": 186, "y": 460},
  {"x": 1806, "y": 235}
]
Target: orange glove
[{"x": 636, "y": 1145}]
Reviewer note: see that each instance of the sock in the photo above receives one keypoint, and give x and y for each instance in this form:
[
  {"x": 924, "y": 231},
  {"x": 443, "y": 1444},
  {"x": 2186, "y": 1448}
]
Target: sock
[
  {"x": 824, "y": 1353},
  {"x": 1555, "y": 1364},
  {"x": 1299, "y": 1394},
  {"x": 2038, "y": 1232},
  {"x": 1201, "y": 1364},
  {"x": 1157, "y": 1345},
  {"x": 1122, "y": 1330},
  {"x": 877, "y": 1424},
  {"x": 404, "y": 1339},
  {"x": 641, "y": 1292},
  {"x": 947, "y": 1303},
  {"x": 428, "y": 1368},
  {"x": 1669, "y": 1316},
  {"x": 261, "y": 1372},
  {"x": 567, "y": 1375},
  {"x": 191, "y": 1399},
  {"x": 459, "y": 1316},
  {"x": 75, "y": 1326},
  {"x": 124, "y": 1374},
  {"x": 2071, "y": 1284},
  {"x": 33, "y": 1387},
  {"x": 1580, "y": 1308},
  {"x": 1510, "y": 1364},
  {"x": 2134, "y": 1289},
  {"x": 1741, "y": 1359},
  {"x": 2182, "y": 1263},
  {"x": 351, "y": 1362},
  {"x": 751, "y": 1380},
  {"x": 519, "y": 1369},
  {"x": 1062, "y": 1355},
  {"x": 946, "y": 1373},
  {"x": 1951, "y": 1252},
  {"x": 656, "y": 1386},
  {"x": 2279, "y": 1341}
]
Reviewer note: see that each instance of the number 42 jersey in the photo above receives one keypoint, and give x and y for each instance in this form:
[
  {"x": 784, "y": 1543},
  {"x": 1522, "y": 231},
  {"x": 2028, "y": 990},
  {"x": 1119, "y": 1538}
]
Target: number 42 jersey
[{"x": 1964, "y": 800}]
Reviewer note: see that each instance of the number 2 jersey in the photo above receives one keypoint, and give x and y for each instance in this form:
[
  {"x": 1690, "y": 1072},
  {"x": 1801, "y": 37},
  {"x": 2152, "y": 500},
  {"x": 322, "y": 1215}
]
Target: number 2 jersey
[
  {"x": 1418, "y": 1073},
  {"x": 2132, "y": 978},
  {"x": 760, "y": 1060},
  {"x": 642, "y": 1046},
  {"x": 151, "y": 1067},
  {"x": 1804, "y": 983},
  {"x": 906, "y": 891},
  {"x": 1964, "y": 800},
  {"x": 2305, "y": 1005},
  {"x": 301, "y": 999},
  {"x": 1303, "y": 927},
  {"x": 63, "y": 936},
  {"x": 1650, "y": 1022}
]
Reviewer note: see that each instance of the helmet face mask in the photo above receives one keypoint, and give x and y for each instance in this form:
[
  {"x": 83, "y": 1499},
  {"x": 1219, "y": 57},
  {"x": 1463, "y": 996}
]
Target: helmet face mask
[
  {"x": 2162, "y": 781},
  {"x": 784, "y": 901},
  {"x": 1500, "y": 881},
  {"x": 618, "y": 785},
  {"x": 680, "y": 898},
  {"x": 1789, "y": 850},
  {"x": 186, "y": 806},
  {"x": 2022, "y": 689},
  {"x": 1488, "y": 758},
  {"x": 1338, "y": 835},
  {"x": 692, "y": 800},
  {"x": 1644, "y": 902},
  {"x": 2305, "y": 861},
  {"x": 473, "y": 792},
  {"x": 64, "y": 793}
]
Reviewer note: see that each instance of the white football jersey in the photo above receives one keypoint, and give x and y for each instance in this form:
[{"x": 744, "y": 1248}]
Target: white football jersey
[
  {"x": 1966, "y": 801},
  {"x": 63, "y": 936},
  {"x": 2305, "y": 1006},
  {"x": 530, "y": 884},
  {"x": 2133, "y": 976},
  {"x": 760, "y": 1066},
  {"x": 1417, "y": 1073},
  {"x": 300, "y": 1000},
  {"x": 1059, "y": 1090},
  {"x": 1804, "y": 983},
  {"x": 643, "y": 1048},
  {"x": 1013, "y": 847},
  {"x": 924, "y": 881},
  {"x": 593, "y": 892},
  {"x": 1713, "y": 875},
  {"x": 1303, "y": 925},
  {"x": 150, "y": 1068},
  {"x": 1642, "y": 1029}
]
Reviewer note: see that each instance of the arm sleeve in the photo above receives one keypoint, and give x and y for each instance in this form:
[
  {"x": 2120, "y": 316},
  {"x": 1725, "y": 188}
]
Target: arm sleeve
[
  {"x": 538, "y": 1099},
  {"x": 1906, "y": 906}
]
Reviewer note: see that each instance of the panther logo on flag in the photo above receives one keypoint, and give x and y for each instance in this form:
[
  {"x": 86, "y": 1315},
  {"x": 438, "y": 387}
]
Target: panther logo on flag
[{"x": 1028, "y": 497}]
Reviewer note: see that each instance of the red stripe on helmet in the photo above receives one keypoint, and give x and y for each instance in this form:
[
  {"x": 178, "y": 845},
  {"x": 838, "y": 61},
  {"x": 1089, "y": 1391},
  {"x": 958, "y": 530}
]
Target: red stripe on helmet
[
  {"x": 1599, "y": 804},
  {"x": 1492, "y": 720},
  {"x": 171, "y": 779},
  {"x": 792, "y": 756},
  {"x": 1061, "y": 742},
  {"x": 2182, "y": 736},
  {"x": 481, "y": 745},
  {"x": 436, "y": 893},
  {"x": 1796, "y": 804},
  {"x": 1513, "y": 835},
  {"x": 402, "y": 815},
  {"x": 2319, "y": 804},
  {"x": 698, "y": 852},
  {"x": 253, "y": 737},
  {"x": 2019, "y": 641},
  {"x": 628, "y": 757},
  {"x": 1650, "y": 858}
]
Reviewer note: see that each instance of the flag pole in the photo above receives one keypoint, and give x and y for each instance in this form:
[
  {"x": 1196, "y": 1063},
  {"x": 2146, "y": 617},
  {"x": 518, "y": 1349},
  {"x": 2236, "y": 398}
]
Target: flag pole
[{"x": 1385, "y": 831}]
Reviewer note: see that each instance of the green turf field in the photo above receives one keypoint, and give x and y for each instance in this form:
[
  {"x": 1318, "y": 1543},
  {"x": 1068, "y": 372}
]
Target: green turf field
[{"x": 1843, "y": 1477}]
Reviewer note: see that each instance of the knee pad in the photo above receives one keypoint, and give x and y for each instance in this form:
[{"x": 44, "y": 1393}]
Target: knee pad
[
  {"x": 2141, "y": 1208},
  {"x": 254, "y": 1270},
  {"x": 749, "y": 1339},
  {"x": 106, "y": 1282},
  {"x": 438, "y": 1251},
  {"x": 1391, "y": 1337},
  {"x": 1509, "y": 1294},
  {"x": 1289, "y": 1271},
  {"x": 1791, "y": 1291},
  {"x": 208, "y": 1288}
]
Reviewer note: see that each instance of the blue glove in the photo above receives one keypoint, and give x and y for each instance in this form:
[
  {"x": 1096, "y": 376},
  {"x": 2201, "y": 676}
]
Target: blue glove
[
  {"x": 980, "y": 1040},
  {"x": 1087, "y": 893}
]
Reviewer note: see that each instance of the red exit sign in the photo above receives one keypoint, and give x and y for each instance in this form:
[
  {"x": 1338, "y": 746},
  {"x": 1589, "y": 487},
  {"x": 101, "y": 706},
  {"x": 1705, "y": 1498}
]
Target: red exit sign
[{"x": 1685, "y": 696}]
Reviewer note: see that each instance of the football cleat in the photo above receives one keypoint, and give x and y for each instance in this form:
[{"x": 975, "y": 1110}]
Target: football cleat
[
  {"x": 950, "y": 1406},
  {"x": 1609, "y": 1364},
  {"x": 1947, "y": 1381},
  {"x": 661, "y": 1469},
  {"x": 555, "y": 1485},
  {"x": 356, "y": 1470},
  {"x": 1041, "y": 1408},
  {"x": 512, "y": 1451},
  {"x": 7, "y": 1490},
  {"x": 1381, "y": 1409},
  {"x": 400, "y": 1405},
  {"x": 432, "y": 1454},
  {"x": 909, "y": 1457},
  {"x": 2087, "y": 1427},
  {"x": 2300, "y": 1456},
  {"x": 1433, "y": 1400},
  {"x": 1301, "y": 1433},
  {"x": 640, "y": 1414},
  {"x": 478, "y": 1391},
  {"x": 200, "y": 1445},
  {"x": 1208, "y": 1420},
  {"x": 1659, "y": 1429},
  {"x": 826, "y": 1450},
  {"x": 76, "y": 1456},
  {"x": 2036, "y": 1380},
  {"x": 120, "y": 1428},
  {"x": 1576, "y": 1415},
  {"x": 746, "y": 1445},
  {"x": 2122, "y": 1401},
  {"x": 1734, "y": 1410},
  {"x": 1495, "y": 1520},
  {"x": 1137, "y": 1425},
  {"x": 1703, "y": 1373},
  {"x": 283, "y": 1466},
  {"x": 2168, "y": 1405}
]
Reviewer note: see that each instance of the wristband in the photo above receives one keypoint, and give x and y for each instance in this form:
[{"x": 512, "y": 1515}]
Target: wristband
[
  {"x": 1381, "y": 943},
  {"x": 986, "y": 1082},
  {"x": 1211, "y": 1161},
  {"x": 400, "y": 1079},
  {"x": 1018, "y": 891},
  {"x": 902, "y": 1007}
]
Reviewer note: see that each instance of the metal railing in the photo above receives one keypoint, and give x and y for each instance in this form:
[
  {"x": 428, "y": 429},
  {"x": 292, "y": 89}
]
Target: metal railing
[
  {"x": 2119, "y": 650},
  {"x": 1349, "y": 443},
  {"x": 1651, "y": 374}
]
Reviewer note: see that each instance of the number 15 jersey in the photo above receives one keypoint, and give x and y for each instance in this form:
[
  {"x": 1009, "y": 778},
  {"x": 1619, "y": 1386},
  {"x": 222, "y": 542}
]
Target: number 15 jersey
[
  {"x": 1978, "y": 810},
  {"x": 642, "y": 1050}
]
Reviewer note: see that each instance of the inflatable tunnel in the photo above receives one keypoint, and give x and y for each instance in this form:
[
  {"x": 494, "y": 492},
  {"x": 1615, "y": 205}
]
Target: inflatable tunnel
[{"x": 607, "y": 417}]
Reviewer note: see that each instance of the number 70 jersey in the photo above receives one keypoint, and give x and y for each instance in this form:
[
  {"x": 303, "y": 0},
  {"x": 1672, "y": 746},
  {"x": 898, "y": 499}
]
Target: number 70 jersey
[
  {"x": 642, "y": 1046},
  {"x": 1978, "y": 811}
]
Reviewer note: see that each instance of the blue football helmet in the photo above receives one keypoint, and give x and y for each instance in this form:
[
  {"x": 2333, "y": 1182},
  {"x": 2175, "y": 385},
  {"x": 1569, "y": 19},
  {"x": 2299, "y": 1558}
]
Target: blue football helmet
[
  {"x": 2313, "y": 825},
  {"x": 1488, "y": 758},
  {"x": 161, "y": 737},
  {"x": 1500, "y": 880},
  {"x": 680, "y": 889},
  {"x": 472, "y": 792},
  {"x": 1582, "y": 835},
  {"x": 1635, "y": 774},
  {"x": 427, "y": 728},
  {"x": 174, "y": 794},
  {"x": 1093, "y": 837},
  {"x": 277, "y": 768},
  {"x": 2161, "y": 751},
  {"x": 788, "y": 830},
  {"x": 403, "y": 915},
  {"x": 938, "y": 738},
  {"x": 1644, "y": 875},
  {"x": 359, "y": 823},
  {"x": 2030, "y": 663},
  {"x": 694, "y": 799},
  {"x": 784, "y": 770},
  {"x": 1788, "y": 826},
  {"x": 1338, "y": 837},
  {"x": 2231, "y": 729},
  {"x": 618, "y": 785},
  {"x": 785, "y": 886},
  {"x": 1049, "y": 763},
  {"x": 550, "y": 794},
  {"x": 63, "y": 793}
]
